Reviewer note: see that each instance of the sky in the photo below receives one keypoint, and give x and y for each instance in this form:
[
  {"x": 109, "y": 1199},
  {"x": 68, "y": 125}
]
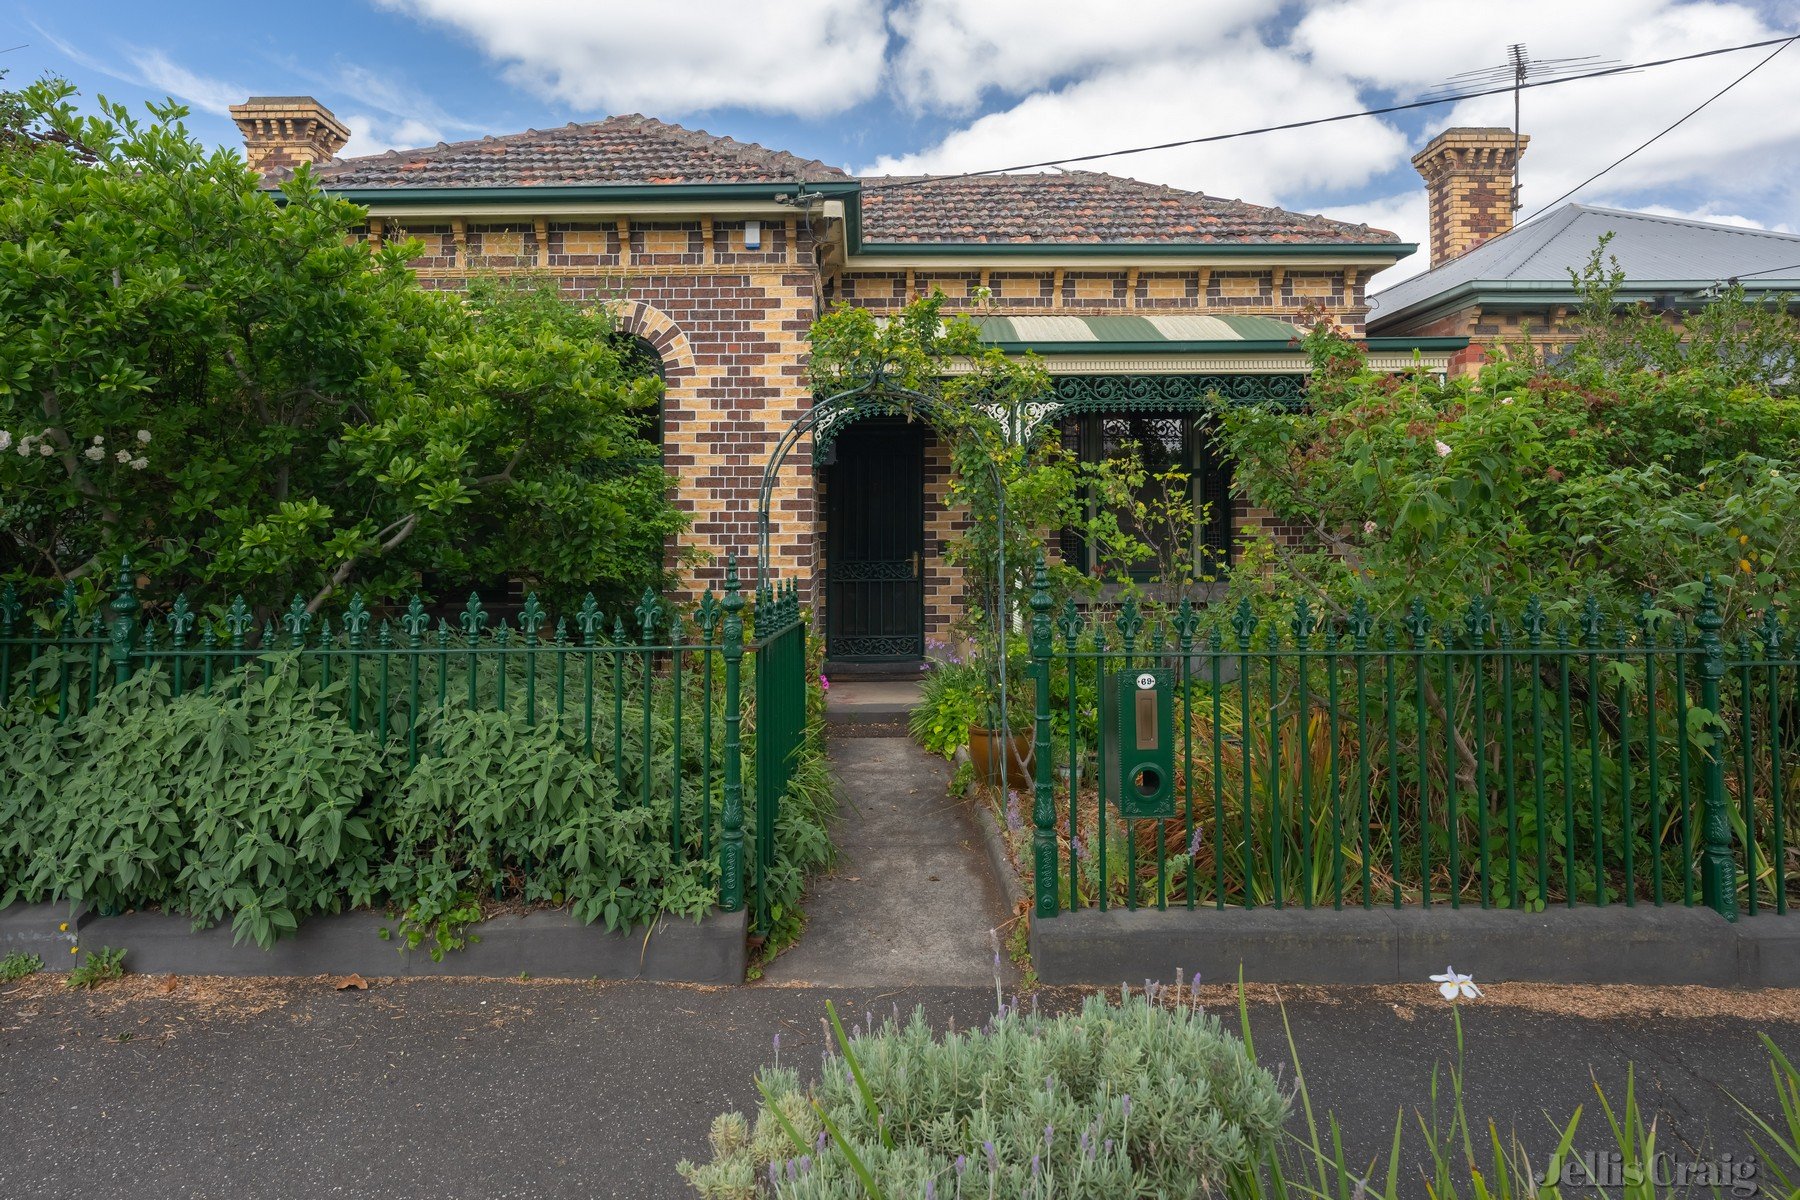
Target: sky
[{"x": 886, "y": 86}]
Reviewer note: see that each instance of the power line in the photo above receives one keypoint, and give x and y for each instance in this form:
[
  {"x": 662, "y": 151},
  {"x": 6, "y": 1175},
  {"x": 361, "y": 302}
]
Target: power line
[
  {"x": 1670, "y": 129},
  {"x": 1351, "y": 116}
]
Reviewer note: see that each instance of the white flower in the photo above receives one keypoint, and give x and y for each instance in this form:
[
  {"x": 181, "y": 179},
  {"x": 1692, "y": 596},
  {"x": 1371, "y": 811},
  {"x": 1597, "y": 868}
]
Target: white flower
[
  {"x": 123, "y": 456},
  {"x": 1452, "y": 984},
  {"x": 144, "y": 437},
  {"x": 139, "y": 463},
  {"x": 1443, "y": 450},
  {"x": 1368, "y": 527},
  {"x": 25, "y": 444},
  {"x": 5, "y": 439},
  {"x": 99, "y": 440},
  {"x": 1506, "y": 399},
  {"x": 93, "y": 452},
  {"x": 45, "y": 449}
]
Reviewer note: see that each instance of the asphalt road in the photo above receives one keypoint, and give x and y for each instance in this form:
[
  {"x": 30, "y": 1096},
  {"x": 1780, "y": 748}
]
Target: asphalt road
[{"x": 442, "y": 1088}]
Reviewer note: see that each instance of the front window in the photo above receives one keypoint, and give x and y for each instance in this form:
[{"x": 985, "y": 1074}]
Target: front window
[{"x": 1183, "y": 508}]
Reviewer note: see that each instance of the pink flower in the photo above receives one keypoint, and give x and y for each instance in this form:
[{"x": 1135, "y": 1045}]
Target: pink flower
[
  {"x": 1368, "y": 528},
  {"x": 824, "y": 683},
  {"x": 1443, "y": 449}
]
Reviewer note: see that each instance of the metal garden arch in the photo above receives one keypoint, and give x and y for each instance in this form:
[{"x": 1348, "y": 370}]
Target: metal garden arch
[{"x": 880, "y": 396}]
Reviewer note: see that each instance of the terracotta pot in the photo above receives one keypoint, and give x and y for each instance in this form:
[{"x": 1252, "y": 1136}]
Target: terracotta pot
[{"x": 985, "y": 751}]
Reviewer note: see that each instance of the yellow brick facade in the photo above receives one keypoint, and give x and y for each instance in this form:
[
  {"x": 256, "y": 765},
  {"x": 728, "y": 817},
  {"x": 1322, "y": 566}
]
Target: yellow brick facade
[{"x": 729, "y": 323}]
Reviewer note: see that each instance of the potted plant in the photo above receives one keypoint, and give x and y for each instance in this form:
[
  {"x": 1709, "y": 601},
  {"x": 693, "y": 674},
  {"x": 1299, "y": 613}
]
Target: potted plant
[{"x": 1000, "y": 738}]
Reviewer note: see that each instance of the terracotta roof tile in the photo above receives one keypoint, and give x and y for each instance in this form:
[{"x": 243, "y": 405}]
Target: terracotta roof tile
[
  {"x": 1079, "y": 206},
  {"x": 1076, "y": 206},
  {"x": 619, "y": 150}
]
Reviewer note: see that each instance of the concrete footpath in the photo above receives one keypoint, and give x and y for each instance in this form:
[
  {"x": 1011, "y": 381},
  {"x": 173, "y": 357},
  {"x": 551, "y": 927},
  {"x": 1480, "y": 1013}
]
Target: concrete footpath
[
  {"x": 912, "y": 899},
  {"x": 443, "y": 1089}
]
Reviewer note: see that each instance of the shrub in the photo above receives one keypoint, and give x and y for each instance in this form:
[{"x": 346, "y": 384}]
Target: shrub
[
  {"x": 243, "y": 800},
  {"x": 502, "y": 806},
  {"x": 257, "y": 800},
  {"x": 1120, "y": 1099}
]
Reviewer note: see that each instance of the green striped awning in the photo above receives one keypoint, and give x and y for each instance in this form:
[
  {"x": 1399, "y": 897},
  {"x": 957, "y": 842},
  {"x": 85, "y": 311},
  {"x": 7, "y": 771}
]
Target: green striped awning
[{"x": 1165, "y": 331}]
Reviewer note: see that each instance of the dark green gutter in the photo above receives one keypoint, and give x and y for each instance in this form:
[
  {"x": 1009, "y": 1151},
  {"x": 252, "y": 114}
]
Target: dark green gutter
[{"x": 1532, "y": 294}]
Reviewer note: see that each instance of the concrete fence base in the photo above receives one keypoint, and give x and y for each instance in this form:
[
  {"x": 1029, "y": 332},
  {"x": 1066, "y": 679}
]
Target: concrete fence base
[
  {"x": 1616, "y": 944},
  {"x": 544, "y": 944}
]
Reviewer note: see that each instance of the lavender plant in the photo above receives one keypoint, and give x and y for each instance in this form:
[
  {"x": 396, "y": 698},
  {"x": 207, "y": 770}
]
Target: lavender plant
[{"x": 1124, "y": 1098}]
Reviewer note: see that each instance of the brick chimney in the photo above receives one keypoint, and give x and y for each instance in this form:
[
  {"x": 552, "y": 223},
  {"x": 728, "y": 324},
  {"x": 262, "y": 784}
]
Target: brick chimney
[
  {"x": 1468, "y": 181},
  {"x": 281, "y": 132}
]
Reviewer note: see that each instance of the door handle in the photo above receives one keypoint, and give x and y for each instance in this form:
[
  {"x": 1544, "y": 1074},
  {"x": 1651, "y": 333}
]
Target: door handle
[{"x": 915, "y": 564}]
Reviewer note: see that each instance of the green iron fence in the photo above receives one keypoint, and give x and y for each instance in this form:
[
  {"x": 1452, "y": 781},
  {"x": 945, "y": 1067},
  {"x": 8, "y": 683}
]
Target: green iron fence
[
  {"x": 659, "y": 694},
  {"x": 1506, "y": 760}
]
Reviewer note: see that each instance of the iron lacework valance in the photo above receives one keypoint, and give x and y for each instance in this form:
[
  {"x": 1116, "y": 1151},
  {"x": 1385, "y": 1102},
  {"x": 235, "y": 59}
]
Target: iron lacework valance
[{"x": 1073, "y": 394}]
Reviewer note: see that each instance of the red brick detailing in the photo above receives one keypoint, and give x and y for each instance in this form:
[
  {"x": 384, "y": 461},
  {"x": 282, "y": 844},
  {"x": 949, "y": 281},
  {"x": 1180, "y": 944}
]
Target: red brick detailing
[{"x": 1468, "y": 182}]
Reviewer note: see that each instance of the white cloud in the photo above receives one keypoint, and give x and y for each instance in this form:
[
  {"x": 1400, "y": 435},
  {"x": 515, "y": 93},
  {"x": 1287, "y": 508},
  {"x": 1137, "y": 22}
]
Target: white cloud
[
  {"x": 383, "y": 111},
  {"x": 152, "y": 68},
  {"x": 1403, "y": 213},
  {"x": 157, "y": 70},
  {"x": 809, "y": 59},
  {"x": 952, "y": 52},
  {"x": 372, "y": 133},
  {"x": 1747, "y": 139},
  {"x": 1173, "y": 99},
  {"x": 1089, "y": 80},
  {"x": 1710, "y": 214}
]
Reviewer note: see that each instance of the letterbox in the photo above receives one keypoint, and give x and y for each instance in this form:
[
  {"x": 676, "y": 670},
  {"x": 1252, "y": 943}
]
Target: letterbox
[{"x": 1137, "y": 726}]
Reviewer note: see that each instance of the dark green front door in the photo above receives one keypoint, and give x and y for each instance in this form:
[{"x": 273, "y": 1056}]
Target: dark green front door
[{"x": 875, "y": 543}]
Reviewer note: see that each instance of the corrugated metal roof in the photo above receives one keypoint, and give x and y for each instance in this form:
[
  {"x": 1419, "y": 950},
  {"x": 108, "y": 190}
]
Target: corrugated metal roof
[{"x": 1648, "y": 247}]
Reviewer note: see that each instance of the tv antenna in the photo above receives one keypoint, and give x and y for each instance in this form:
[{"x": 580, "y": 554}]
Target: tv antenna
[{"x": 1518, "y": 68}]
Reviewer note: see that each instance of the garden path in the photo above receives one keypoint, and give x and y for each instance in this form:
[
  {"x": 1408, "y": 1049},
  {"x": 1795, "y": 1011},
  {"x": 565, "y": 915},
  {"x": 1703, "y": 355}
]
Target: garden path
[{"x": 911, "y": 900}]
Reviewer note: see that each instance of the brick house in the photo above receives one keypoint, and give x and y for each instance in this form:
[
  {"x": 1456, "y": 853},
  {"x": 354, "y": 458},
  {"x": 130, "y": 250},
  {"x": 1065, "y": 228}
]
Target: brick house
[
  {"x": 717, "y": 254},
  {"x": 1495, "y": 284}
]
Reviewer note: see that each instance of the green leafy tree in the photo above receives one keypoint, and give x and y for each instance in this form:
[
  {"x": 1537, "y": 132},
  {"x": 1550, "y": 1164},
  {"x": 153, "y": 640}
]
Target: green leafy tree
[
  {"x": 1631, "y": 465},
  {"x": 227, "y": 385}
]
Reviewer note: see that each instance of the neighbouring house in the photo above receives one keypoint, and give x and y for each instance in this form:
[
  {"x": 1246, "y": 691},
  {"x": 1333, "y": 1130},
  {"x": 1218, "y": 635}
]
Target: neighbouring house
[
  {"x": 717, "y": 255},
  {"x": 1495, "y": 284}
]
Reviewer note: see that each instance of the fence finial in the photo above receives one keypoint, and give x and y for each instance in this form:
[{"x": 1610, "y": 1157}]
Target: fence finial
[
  {"x": 356, "y": 620},
  {"x": 1040, "y": 585},
  {"x": 589, "y": 620},
  {"x": 1361, "y": 622},
  {"x": 532, "y": 617},
  {"x": 473, "y": 619},
  {"x": 647, "y": 611},
  {"x": 1303, "y": 622}
]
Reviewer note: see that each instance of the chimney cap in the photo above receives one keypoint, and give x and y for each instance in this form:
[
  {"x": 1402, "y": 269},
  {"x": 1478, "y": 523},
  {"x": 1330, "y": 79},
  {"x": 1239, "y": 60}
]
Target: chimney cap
[
  {"x": 270, "y": 107},
  {"x": 1499, "y": 139},
  {"x": 280, "y": 132}
]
